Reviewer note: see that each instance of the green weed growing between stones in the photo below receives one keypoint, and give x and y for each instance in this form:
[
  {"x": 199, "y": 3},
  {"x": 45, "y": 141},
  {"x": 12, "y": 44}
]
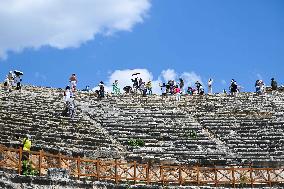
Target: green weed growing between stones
[
  {"x": 136, "y": 142},
  {"x": 27, "y": 169}
]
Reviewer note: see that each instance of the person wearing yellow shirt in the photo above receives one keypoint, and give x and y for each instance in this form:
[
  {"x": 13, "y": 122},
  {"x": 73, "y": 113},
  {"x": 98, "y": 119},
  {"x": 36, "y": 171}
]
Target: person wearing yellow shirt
[
  {"x": 149, "y": 87},
  {"x": 27, "y": 143}
]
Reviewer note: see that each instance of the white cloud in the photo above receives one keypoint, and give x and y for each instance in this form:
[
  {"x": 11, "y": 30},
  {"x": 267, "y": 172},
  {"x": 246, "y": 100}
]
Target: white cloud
[
  {"x": 124, "y": 78},
  {"x": 169, "y": 74},
  {"x": 190, "y": 78},
  {"x": 64, "y": 23}
]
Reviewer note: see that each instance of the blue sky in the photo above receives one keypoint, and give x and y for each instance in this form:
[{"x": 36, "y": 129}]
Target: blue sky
[{"x": 221, "y": 39}]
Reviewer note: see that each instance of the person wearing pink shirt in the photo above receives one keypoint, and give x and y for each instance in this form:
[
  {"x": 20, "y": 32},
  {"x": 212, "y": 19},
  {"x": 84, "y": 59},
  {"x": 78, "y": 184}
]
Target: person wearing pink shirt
[{"x": 177, "y": 92}]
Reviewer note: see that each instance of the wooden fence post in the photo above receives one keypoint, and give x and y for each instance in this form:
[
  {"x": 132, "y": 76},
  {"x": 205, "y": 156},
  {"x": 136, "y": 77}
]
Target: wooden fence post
[
  {"x": 98, "y": 169},
  {"x": 116, "y": 174},
  {"x": 164, "y": 178},
  {"x": 251, "y": 179},
  {"x": 162, "y": 174},
  {"x": 233, "y": 176},
  {"x": 79, "y": 167},
  {"x": 40, "y": 162},
  {"x": 20, "y": 160},
  {"x": 179, "y": 175},
  {"x": 59, "y": 160},
  {"x": 216, "y": 178},
  {"x": 135, "y": 167},
  {"x": 198, "y": 172},
  {"x": 269, "y": 178},
  {"x": 148, "y": 173}
]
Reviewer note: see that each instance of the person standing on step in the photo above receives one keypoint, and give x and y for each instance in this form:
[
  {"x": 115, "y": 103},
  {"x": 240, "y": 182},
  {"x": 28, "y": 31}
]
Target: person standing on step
[
  {"x": 143, "y": 89},
  {"x": 181, "y": 85},
  {"x": 67, "y": 94},
  {"x": 101, "y": 90},
  {"x": 163, "y": 89},
  {"x": 11, "y": 77},
  {"x": 273, "y": 84},
  {"x": 257, "y": 87},
  {"x": 210, "y": 83},
  {"x": 7, "y": 84},
  {"x": 177, "y": 92},
  {"x": 149, "y": 87},
  {"x": 233, "y": 88},
  {"x": 26, "y": 146},
  {"x": 198, "y": 86},
  {"x": 115, "y": 88},
  {"x": 135, "y": 84},
  {"x": 27, "y": 143},
  {"x": 262, "y": 86},
  {"x": 73, "y": 81}
]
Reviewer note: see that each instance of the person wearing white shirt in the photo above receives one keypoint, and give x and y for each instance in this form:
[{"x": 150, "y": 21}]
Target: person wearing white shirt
[{"x": 210, "y": 83}]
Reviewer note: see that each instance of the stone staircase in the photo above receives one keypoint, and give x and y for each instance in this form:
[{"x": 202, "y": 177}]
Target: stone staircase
[
  {"x": 242, "y": 129},
  {"x": 37, "y": 111}
]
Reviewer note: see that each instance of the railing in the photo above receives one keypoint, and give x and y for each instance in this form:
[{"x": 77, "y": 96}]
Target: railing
[{"x": 118, "y": 171}]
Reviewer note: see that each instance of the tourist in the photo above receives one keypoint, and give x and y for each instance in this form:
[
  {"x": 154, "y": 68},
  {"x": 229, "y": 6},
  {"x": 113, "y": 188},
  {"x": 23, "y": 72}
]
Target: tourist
[
  {"x": 140, "y": 82},
  {"x": 73, "y": 81},
  {"x": 198, "y": 86},
  {"x": 135, "y": 84},
  {"x": 262, "y": 86},
  {"x": 115, "y": 88},
  {"x": 67, "y": 94},
  {"x": 273, "y": 84},
  {"x": 168, "y": 88},
  {"x": 101, "y": 90},
  {"x": 26, "y": 147},
  {"x": 87, "y": 89},
  {"x": 149, "y": 88},
  {"x": 189, "y": 91},
  {"x": 177, "y": 92},
  {"x": 11, "y": 76},
  {"x": 201, "y": 90},
  {"x": 257, "y": 87},
  {"x": 181, "y": 84},
  {"x": 127, "y": 89},
  {"x": 171, "y": 86},
  {"x": 164, "y": 89},
  {"x": 143, "y": 89},
  {"x": 70, "y": 105},
  {"x": 233, "y": 87},
  {"x": 17, "y": 82},
  {"x": 7, "y": 84},
  {"x": 210, "y": 83}
]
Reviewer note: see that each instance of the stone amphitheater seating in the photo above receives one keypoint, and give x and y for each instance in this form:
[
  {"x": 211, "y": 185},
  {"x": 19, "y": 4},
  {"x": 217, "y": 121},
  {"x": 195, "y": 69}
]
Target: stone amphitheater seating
[
  {"x": 37, "y": 111},
  {"x": 246, "y": 128}
]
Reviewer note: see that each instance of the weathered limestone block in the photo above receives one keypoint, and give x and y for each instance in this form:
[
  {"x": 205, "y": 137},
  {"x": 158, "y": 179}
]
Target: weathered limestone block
[{"x": 58, "y": 174}]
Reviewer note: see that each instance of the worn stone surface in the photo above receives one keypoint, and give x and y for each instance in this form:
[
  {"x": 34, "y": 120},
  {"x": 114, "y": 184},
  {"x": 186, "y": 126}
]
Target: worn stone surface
[
  {"x": 229, "y": 130},
  {"x": 242, "y": 129}
]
